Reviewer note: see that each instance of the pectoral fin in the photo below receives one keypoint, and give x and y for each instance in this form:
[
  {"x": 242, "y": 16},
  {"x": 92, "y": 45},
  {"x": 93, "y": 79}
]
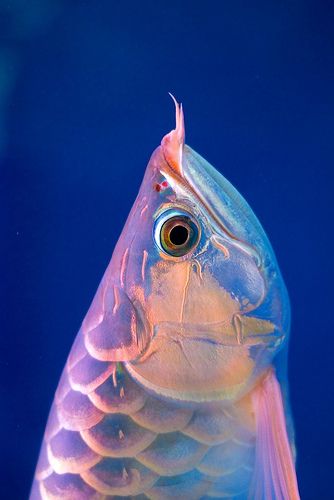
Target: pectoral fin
[{"x": 274, "y": 474}]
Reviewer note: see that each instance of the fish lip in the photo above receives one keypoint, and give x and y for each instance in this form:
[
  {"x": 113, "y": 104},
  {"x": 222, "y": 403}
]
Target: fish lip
[{"x": 215, "y": 333}]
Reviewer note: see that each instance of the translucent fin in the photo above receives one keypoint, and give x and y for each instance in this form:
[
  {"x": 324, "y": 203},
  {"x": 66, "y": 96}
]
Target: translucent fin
[{"x": 274, "y": 473}]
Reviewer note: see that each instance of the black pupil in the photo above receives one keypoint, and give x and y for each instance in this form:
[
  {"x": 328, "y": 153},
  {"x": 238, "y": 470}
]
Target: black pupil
[{"x": 178, "y": 235}]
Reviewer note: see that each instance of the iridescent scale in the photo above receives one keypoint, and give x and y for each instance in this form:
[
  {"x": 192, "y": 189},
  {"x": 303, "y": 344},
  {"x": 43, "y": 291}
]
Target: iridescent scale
[{"x": 107, "y": 438}]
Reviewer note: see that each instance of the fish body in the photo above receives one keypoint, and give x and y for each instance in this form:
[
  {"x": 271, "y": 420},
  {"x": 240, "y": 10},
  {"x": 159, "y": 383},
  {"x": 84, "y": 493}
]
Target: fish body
[{"x": 176, "y": 383}]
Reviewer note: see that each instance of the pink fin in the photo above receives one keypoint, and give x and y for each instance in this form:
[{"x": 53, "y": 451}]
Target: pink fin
[
  {"x": 172, "y": 144},
  {"x": 274, "y": 474}
]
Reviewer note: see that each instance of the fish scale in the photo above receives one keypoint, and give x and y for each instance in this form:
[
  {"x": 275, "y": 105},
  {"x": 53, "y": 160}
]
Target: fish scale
[{"x": 149, "y": 446}]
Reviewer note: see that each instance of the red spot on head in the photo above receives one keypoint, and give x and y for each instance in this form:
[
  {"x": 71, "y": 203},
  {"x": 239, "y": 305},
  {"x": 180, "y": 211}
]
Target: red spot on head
[{"x": 161, "y": 187}]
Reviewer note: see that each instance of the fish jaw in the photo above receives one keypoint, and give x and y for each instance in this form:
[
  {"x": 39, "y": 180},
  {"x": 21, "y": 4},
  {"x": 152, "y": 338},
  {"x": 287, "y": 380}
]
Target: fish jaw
[{"x": 205, "y": 346}]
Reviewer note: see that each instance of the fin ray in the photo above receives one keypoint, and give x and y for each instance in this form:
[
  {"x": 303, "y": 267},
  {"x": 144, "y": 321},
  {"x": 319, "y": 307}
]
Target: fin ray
[{"x": 274, "y": 474}]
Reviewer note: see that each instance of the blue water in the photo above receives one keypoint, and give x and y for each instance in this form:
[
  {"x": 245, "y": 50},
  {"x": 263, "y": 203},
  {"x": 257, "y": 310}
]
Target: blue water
[{"x": 83, "y": 102}]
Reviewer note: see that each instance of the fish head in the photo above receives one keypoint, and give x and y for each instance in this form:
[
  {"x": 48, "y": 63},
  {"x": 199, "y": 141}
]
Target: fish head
[{"x": 202, "y": 277}]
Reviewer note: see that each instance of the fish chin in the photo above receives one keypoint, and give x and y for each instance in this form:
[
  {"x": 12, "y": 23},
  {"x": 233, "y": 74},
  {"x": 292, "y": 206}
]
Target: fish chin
[
  {"x": 207, "y": 362},
  {"x": 205, "y": 347}
]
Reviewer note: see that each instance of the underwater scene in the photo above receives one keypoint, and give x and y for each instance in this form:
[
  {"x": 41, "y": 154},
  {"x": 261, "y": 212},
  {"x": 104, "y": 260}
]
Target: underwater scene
[{"x": 166, "y": 191}]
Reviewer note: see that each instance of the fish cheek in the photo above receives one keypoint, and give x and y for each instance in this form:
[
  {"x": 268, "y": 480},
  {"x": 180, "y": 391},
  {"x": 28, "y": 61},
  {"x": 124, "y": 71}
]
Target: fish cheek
[
  {"x": 238, "y": 274},
  {"x": 190, "y": 314}
]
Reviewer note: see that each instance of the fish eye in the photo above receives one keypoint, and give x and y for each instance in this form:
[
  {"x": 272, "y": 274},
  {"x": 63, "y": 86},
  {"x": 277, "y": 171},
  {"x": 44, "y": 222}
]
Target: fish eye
[{"x": 176, "y": 232}]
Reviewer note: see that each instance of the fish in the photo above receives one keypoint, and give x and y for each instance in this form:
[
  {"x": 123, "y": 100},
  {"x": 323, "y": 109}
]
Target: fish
[{"x": 176, "y": 384}]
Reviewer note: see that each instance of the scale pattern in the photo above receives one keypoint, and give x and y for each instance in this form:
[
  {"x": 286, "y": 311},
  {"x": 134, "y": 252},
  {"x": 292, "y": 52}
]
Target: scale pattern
[{"x": 108, "y": 438}]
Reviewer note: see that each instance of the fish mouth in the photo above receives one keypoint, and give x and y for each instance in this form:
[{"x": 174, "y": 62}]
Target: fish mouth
[{"x": 241, "y": 331}]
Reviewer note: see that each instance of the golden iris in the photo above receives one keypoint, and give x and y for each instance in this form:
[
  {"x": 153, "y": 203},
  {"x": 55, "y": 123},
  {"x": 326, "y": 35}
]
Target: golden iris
[{"x": 178, "y": 235}]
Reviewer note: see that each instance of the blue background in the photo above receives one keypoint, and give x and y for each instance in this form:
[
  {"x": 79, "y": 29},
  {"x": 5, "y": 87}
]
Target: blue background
[{"x": 83, "y": 102}]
